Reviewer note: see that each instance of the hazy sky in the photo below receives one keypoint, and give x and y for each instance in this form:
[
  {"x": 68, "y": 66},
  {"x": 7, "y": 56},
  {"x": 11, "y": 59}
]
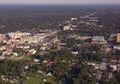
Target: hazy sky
[{"x": 59, "y": 1}]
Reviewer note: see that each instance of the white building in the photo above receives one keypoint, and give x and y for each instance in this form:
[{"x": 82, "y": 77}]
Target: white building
[
  {"x": 18, "y": 34},
  {"x": 116, "y": 47},
  {"x": 67, "y": 28},
  {"x": 72, "y": 19}
]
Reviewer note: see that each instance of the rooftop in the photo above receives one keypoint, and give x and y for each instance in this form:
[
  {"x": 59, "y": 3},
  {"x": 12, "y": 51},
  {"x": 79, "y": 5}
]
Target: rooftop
[{"x": 98, "y": 38}]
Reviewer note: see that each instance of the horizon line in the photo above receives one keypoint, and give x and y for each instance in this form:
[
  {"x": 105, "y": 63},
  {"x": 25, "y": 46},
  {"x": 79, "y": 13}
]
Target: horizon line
[{"x": 57, "y": 4}]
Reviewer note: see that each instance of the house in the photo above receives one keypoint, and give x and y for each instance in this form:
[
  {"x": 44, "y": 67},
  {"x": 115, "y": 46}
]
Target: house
[
  {"x": 3, "y": 48},
  {"x": 49, "y": 64},
  {"x": 103, "y": 66},
  {"x": 72, "y": 19},
  {"x": 98, "y": 40},
  {"x": 49, "y": 74},
  {"x": 43, "y": 48},
  {"x": 114, "y": 58},
  {"x": 32, "y": 51},
  {"x": 114, "y": 67},
  {"x": 15, "y": 54},
  {"x": 36, "y": 60},
  {"x": 2, "y": 57},
  {"x": 17, "y": 34},
  {"x": 75, "y": 52},
  {"x": 116, "y": 47},
  {"x": 67, "y": 28},
  {"x": 44, "y": 61},
  {"x": 23, "y": 47}
]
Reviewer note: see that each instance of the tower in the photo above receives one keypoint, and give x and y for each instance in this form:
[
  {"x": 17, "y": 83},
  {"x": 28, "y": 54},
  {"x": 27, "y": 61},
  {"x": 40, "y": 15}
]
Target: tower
[{"x": 118, "y": 38}]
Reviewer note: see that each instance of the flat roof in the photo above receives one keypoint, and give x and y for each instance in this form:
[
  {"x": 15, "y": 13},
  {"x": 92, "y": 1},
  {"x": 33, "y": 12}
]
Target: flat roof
[{"x": 98, "y": 38}]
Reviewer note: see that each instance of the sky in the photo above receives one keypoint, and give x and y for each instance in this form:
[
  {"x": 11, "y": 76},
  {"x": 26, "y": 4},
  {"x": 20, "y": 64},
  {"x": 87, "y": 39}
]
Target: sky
[{"x": 59, "y": 1}]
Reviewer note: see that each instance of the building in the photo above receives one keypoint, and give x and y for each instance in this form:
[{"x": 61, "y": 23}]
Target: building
[
  {"x": 72, "y": 19},
  {"x": 70, "y": 27},
  {"x": 67, "y": 28},
  {"x": 116, "y": 47},
  {"x": 17, "y": 34},
  {"x": 99, "y": 40},
  {"x": 118, "y": 38},
  {"x": 2, "y": 37},
  {"x": 34, "y": 39},
  {"x": 114, "y": 58},
  {"x": 32, "y": 52}
]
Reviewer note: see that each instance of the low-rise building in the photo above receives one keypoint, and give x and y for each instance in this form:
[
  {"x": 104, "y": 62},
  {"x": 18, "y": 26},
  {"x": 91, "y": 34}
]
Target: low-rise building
[
  {"x": 18, "y": 34},
  {"x": 2, "y": 37},
  {"x": 116, "y": 47},
  {"x": 3, "y": 48},
  {"x": 72, "y": 19},
  {"x": 99, "y": 40},
  {"x": 114, "y": 67},
  {"x": 32, "y": 51},
  {"x": 23, "y": 47},
  {"x": 67, "y": 28},
  {"x": 114, "y": 58}
]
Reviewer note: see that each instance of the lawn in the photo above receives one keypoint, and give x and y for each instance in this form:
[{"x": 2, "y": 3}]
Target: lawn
[
  {"x": 37, "y": 80},
  {"x": 33, "y": 80}
]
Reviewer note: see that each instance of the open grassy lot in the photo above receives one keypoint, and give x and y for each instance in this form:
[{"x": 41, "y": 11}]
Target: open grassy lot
[
  {"x": 37, "y": 80},
  {"x": 33, "y": 80}
]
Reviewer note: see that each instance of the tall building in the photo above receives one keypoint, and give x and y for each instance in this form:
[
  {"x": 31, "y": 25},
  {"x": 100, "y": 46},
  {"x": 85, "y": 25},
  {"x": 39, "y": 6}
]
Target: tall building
[{"x": 118, "y": 38}]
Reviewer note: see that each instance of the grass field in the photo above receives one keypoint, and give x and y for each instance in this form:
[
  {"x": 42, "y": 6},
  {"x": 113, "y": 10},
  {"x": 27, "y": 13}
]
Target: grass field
[
  {"x": 37, "y": 80},
  {"x": 33, "y": 80}
]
